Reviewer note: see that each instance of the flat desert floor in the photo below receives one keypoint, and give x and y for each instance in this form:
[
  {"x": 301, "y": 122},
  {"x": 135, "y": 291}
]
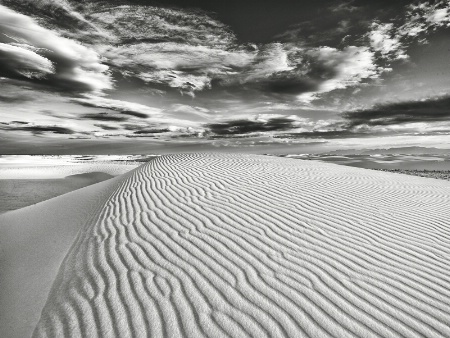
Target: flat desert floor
[
  {"x": 230, "y": 245},
  {"x": 27, "y": 180}
]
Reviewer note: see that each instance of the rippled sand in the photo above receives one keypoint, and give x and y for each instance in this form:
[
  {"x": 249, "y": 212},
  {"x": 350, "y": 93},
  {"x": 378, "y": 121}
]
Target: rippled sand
[{"x": 218, "y": 245}]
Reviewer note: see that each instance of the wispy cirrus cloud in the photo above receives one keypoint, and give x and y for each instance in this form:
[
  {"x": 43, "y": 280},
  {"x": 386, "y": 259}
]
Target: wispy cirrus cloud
[
  {"x": 181, "y": 49},
  {"x": 424, "y": 16},
  {"x": 346, "y": 6},
  {"x": 64, "y": 17},
  {"x": 393, "y": 39},
  {"x": 131, "y": 24},
  {"x": 256, "y": 125},
  {"x": 385, "y": 40}
]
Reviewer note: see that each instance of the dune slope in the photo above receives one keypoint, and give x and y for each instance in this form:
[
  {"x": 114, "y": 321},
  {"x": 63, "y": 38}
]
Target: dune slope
[
  {"x": 33, "y": 243},
  {"x": 224, "y": 245}
]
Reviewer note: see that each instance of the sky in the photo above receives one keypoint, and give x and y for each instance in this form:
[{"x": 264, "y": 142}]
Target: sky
[{"x": 278, "y": 76}]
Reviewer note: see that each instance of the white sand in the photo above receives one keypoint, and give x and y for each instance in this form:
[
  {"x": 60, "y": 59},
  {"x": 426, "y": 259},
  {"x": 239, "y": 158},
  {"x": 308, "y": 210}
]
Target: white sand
[
  {"x": 236, "y": 245},
  {"x": 52, "y": 167}
]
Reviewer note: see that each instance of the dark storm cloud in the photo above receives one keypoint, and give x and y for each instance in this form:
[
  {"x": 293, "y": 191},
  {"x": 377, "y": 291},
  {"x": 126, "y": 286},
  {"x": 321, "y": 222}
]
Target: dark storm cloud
[
  {"x": 47, "y": 129},
  {"x": 104, "y": 117},
  {"x": 144, "y": 130},
  {"x": 382, "y": 120},
  {"x": 37, "y": 129},
  {"x": 237, "y": 127},
  {"x": 400, "y": 113},
  {"x": 134, "y": 113},
  {"x": 287, "y": 83},
  {"x": 151, "y": 131}
]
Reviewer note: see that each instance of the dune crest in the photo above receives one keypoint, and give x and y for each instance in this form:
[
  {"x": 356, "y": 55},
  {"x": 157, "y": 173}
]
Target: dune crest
[{"x": 218, "y": 245}]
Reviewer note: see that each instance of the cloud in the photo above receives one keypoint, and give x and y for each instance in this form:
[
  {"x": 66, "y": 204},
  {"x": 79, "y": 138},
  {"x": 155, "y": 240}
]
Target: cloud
[
  {"x": 19, "y": 62},
  {"x": 125, "y": 107},
  {"x": 383, "y": 39},
  {"x": 182, "y": 49},
  {"x": 424, "y": 16},
  {"x": 151, "y": 131},
  {"x": 59, "y": 16},
  {"x": 247, "y": 126},
  {"x": 186, "y": 67},
  {"x": 134, "y": 113},
  {"x": 39, "y": 54},
  {"x": 104, "y": 117},
  {"x": 338, "y": 69},
  {"x": 105, "y": 127},
  {"x": 287, "y": 83},
  {"x": 83, "y": 49},
  {"x": 402, "y": 118},
  {"x": 292, "y": 70},
  {"x": 391, "y": 40},
  {"x": 189, "y": 51},
  {"x": 36, "y": 129},
  {"x": 322, "y": 134},
  {"x": 190, "y": 112},
  {"x": 131, "y": 24},
  {"x": 432, "y": 110},
  {"x": 271, "y": 58},
  {"x": 347, "y": 6},
  {"x": 15, "y": 98}
]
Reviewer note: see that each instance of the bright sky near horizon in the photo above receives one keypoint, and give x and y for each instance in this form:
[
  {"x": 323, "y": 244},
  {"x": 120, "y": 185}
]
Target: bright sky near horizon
[{"x": 301, "y": 76}]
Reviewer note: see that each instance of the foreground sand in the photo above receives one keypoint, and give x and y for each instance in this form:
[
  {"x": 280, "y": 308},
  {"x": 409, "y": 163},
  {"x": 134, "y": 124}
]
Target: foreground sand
[{"x": 243, "y": 245}]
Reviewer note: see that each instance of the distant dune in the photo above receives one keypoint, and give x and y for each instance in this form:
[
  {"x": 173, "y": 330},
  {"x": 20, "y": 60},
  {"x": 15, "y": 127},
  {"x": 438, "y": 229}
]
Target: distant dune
[{"x": 220, "y": 245}]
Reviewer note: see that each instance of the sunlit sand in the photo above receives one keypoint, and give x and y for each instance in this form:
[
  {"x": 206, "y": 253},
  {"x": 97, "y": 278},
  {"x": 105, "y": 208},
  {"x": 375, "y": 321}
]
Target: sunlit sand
[{"x": 219, "y": 245}]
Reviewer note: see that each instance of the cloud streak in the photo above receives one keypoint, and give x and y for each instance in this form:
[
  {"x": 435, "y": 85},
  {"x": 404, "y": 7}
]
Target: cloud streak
[
  {"x": 36, "y": 53},
  {"x": 16, "y": 126},
  {"x": 432, "y": 110},
  {"x": 125, "y": 107}
]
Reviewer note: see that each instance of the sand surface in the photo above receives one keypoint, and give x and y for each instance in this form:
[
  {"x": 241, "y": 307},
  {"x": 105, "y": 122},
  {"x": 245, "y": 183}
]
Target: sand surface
[
  {"x": 225, "y": 245},
  {"x": 20, "y": 193},
  {"x": 58, "y": 167},
  {"x": 33, "y": 243}
]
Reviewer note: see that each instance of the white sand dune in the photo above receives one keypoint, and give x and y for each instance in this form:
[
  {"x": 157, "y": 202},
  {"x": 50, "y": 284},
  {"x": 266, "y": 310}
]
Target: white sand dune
[
  {"x": 33, "y": 243},
  {"x": 224, "y": 245}
]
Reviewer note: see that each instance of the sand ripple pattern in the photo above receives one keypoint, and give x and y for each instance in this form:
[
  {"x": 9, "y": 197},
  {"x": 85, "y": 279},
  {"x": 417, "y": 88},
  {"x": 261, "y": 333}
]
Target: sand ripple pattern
[{"x": 209, "y": 245}]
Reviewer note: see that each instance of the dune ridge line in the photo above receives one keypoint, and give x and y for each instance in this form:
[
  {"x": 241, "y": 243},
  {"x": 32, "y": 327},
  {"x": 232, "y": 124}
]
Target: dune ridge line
[{"x": 220, "y": 245}]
